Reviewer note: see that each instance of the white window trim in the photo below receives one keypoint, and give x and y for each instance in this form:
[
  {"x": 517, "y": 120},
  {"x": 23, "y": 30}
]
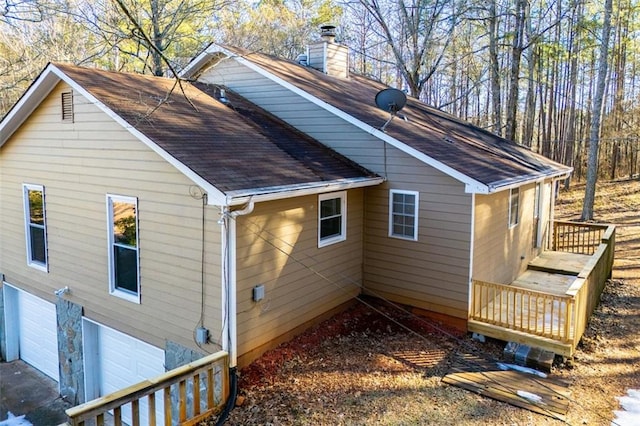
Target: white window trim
[
  {"x": 343, "y": 224},
  {"x": 510, "y": 224},
  {"x": 112, "y": 284},
  {"x": 416, "y": 194},
  {"x": 26, "y": 187}
]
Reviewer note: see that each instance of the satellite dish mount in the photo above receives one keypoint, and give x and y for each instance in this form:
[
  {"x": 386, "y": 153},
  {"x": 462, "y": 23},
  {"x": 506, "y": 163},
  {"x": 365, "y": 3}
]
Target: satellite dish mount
[{"x": 392, "y": 101}]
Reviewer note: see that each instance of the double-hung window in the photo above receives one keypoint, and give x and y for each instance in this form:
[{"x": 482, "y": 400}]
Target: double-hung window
[
  {"x": 124, "y": 256},
  {"x": 403, "y": 214},
  {"x": 35, "y": 226},
  {"x": 514, "y": 207},
  {"x": 332, "y": 218}
]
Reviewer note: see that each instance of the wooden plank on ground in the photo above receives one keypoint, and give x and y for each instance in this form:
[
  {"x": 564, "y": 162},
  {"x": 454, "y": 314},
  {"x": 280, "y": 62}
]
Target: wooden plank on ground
[{"x": 505, "y": 386}]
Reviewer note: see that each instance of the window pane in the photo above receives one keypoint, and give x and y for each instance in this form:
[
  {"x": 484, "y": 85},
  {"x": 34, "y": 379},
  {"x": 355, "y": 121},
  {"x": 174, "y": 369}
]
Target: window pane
[
  {"x": 126, "y": 268},
  {"x": 514, "y": 202},
  {"x": 403, "y": 215},
  {"x": 330, "y": 207},
  {"x": 36, "y": 212},
  {"x": 124, "y": 224},
  {"x": 37, "y": 244},
  {"x": 330, "y": 227}
]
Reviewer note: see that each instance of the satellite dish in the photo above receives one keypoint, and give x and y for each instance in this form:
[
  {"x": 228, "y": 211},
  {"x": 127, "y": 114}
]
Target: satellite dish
[{"x": 392, "y": 101}]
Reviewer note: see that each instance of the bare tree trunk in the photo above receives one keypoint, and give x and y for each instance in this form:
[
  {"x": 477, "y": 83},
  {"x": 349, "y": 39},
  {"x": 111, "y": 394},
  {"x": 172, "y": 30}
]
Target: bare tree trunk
[
  {"x": 496, "y": 104},
  {"x": 598, "y": 102},
  {"x": 514, "y": 74}
]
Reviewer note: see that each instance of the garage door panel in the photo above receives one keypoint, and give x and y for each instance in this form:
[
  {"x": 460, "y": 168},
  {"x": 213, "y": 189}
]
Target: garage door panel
[
  {"x": 125, "y": 361},
  {"x": 38, "y": 334}
]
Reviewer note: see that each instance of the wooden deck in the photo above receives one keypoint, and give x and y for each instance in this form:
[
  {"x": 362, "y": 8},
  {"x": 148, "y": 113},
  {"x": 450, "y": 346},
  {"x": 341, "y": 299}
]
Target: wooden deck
[
  {"x": 549, "y": 305},
  {"x": 560, "y": 262}
]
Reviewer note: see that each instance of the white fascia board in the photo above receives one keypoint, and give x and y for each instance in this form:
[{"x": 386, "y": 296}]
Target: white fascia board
[
  {"x": 29, "y": 101},
  {"x": 471, "y": 185},
  {"x": 514, "y": 183},
  {"x": 281, "y": 192},
  {"x": 196, "y": 64}
]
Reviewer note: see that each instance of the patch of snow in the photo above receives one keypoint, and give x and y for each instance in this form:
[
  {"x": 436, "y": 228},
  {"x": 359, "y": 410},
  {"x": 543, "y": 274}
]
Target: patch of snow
[
  {"x": 529, "y": 396},
  {"x": 630, "y": 413},
  {"x": 15, "y": 421},
  {"x": 504, "y": 367}
]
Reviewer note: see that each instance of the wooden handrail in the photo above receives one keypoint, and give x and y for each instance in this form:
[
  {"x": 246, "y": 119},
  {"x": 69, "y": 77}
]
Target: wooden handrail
[{"x": 96, "y": 408}]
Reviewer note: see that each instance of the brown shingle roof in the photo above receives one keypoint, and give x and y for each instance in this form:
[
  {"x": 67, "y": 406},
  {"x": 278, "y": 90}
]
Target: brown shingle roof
[
  {"x": 233, "y": 149},
  {"x": 470, "y": 150}
]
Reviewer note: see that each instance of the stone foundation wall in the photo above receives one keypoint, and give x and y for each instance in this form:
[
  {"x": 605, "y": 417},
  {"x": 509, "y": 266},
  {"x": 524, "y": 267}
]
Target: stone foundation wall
[{"x": 70, "y": 351}]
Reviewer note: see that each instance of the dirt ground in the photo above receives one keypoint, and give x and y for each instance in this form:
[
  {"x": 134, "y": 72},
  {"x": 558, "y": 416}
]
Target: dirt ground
[{"x": 362, "y": 368}]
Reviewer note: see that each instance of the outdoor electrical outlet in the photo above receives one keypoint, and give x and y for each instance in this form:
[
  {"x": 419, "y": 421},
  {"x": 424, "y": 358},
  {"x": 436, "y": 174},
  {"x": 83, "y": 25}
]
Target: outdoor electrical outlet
[
  {"x": 202, "y": 335},
  {"x": 258, "y": 293}
]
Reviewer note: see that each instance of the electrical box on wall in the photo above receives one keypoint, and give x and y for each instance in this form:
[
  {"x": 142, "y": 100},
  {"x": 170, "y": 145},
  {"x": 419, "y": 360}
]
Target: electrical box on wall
[
  {"x": 202, "y": 335},
  {"x": 258, "y": 293}
]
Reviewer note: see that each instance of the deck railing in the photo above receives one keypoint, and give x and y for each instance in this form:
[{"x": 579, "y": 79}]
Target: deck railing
[
  {"x": 577, "y": 237},
  {"x": 562, "y": 318},
  {"x": 529, "y": 311},
  {"x": 207, "y": 379}
]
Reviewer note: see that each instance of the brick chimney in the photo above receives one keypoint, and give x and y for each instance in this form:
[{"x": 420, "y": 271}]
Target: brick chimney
[{"x": 327, "y": 56}]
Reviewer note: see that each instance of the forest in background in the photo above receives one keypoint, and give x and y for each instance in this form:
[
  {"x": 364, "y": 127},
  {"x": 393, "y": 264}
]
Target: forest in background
[{"x": 524, "y": 69}]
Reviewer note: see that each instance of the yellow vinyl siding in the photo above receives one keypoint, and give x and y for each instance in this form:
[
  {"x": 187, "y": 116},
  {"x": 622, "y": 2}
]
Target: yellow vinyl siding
[
  {"x": 79, "y": 163},
  {"x": 277, "y": 246},
  {"x": 500, "y": 253}
]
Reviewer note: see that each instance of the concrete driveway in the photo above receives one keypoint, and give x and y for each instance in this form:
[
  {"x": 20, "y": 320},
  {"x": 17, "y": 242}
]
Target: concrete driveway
[{"x": 25, "y": 390}]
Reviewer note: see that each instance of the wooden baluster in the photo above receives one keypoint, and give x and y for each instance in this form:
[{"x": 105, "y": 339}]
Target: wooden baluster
[
  {"x": 135, "y": 412},
  {"x": 167, "y": 406},
  {"x": 151, "y": 398},
  {"x": 210, "y": 388},
  {"x": 117, "y": 416},
  {"x": 100, "y": 419},
  {"x": 196, "y": 395},
  {"x": 182, "y": 386}
]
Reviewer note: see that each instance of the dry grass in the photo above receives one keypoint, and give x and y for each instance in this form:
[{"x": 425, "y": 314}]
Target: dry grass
[{"x": 360, "y": 368}]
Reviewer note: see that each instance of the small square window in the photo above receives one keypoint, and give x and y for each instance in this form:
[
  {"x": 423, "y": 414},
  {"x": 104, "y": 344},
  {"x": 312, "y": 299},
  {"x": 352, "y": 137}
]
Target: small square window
[
  {"x": 332, "y": 214},
  {"x": 124, "y": 256},
  {"x": 35, "y": 226},
  {"x": 514, "y": 207},
  {"x": 403, "y": 214}
]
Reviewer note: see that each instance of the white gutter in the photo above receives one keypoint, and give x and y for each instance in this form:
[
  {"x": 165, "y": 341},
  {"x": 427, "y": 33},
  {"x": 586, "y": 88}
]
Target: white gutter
[
  {"x": 514, "y": 183},
  {"x": 271, "y": 193}
]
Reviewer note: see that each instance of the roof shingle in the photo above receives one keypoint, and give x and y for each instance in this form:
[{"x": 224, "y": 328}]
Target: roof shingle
[{"x": 470, "y": 150}]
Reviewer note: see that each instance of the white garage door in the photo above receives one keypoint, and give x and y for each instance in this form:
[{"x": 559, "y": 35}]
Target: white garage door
[
  {"x": 38, "y": 334},
  {"x": 124, "y": 361}
]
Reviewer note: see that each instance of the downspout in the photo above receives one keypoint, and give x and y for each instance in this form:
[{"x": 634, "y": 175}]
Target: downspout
[
  {"x": 471, "y": 254},
  {"x": 228, "y": 223}
]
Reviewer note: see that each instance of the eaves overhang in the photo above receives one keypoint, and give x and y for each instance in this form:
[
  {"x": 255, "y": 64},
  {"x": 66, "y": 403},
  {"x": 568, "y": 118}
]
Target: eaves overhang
[
  {"x": 506, "y": 184},
  {"x": 271, "y": 193}
]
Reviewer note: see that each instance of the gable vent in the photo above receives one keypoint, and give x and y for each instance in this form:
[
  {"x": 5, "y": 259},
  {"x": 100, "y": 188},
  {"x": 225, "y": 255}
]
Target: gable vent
[{"x": 67, "y": 106}]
